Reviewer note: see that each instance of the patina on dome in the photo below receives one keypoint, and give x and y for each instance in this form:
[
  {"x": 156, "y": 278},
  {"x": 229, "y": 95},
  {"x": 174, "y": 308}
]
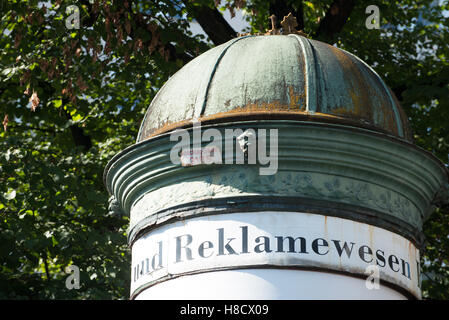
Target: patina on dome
[{"x": 276, "y": 77}]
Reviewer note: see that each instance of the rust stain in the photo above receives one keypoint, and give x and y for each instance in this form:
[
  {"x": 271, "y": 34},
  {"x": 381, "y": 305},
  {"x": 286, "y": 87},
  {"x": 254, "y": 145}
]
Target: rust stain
[
  {"x": 326, "y": 235},
  {"x": 297, "y": 101},
  {"x": 411, "y": 251},
  {"x": 359, "y": 91},
  {"x": 371, "y": 238},
  {"x": 254, "y": 112},
  {"x": 362, "y": 97},
  {"x": 250, "y": 110}
]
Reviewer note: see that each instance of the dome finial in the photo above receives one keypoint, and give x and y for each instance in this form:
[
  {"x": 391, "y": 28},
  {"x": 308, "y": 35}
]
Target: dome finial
[
  {"x": 288, "y": 27},
  {"x": 273, "y": 26},
  {"x": 289, "y": 24}
]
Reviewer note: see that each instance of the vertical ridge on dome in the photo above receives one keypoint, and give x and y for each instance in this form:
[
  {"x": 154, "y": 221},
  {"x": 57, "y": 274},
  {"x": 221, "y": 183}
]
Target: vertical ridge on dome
[
  {"x": 310, "y": 72},
  {"x": 204, "y": 100},
  {"x": 259, "y": 74}
]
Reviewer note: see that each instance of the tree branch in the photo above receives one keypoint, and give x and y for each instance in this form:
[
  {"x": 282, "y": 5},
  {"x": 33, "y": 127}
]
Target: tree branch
[
  {"x": 79, "y": 137},
  {"x": 92, "y": 16},
  {"x": 399, "y": 90},
  {"x": 281, "y": 8},
  {"x": 213, "y": 23},
  {"x": 173, "y": 55},
  {"x": 334, "y": 20},
  {"x": 26, "y": 127},
  {"x": 47, "y": 272}
]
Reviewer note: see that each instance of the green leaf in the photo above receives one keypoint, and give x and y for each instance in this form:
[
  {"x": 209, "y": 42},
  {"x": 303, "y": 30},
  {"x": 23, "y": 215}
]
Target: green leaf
[
  {"x": 57, "y": 103},
  {"x": 10, "y": 195}
]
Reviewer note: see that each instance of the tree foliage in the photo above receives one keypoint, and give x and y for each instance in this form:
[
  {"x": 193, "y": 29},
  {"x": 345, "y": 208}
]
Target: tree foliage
[{"x": 72, "y": 98}]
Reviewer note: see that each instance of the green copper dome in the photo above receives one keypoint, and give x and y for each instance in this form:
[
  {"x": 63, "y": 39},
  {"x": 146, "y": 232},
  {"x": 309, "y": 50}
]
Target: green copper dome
[{"x": 276, "y": 77}]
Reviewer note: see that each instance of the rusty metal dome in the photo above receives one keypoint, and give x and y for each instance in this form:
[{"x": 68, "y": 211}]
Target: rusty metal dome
[{"x": 278, "y": 77}]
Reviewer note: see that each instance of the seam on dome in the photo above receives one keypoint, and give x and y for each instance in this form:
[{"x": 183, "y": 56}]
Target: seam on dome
[
  {"x": 310, "y": 73},
  {"x": 203, "y": 107}
]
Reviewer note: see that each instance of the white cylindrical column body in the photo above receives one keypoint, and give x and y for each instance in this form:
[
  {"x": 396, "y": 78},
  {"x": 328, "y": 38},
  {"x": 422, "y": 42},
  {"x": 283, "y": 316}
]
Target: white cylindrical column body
[{"x": 273, "y": 255}]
